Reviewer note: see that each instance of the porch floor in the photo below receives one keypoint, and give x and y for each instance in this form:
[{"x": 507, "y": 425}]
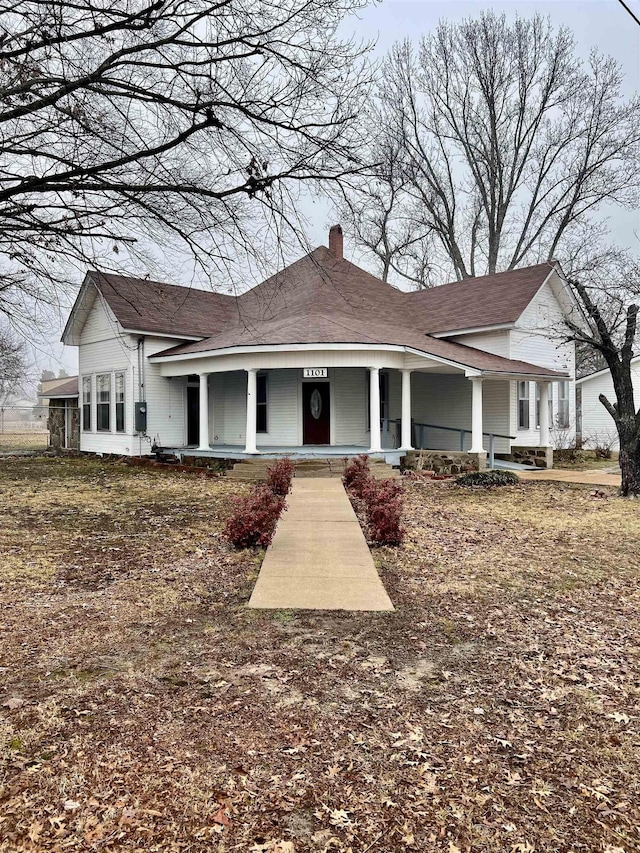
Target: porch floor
[{"x": 234, "y": 451}]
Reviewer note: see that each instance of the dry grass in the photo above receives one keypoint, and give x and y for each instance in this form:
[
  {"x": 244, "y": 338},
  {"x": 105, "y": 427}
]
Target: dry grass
[
  {"x": 27, "y": 440},
  {"x": 147, "y": 709}
]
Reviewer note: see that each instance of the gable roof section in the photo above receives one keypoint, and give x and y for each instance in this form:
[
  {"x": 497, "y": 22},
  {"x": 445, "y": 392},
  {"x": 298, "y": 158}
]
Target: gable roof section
[
  {"x": 154, "y": 306},
  {"x": 474, "y": 303}
]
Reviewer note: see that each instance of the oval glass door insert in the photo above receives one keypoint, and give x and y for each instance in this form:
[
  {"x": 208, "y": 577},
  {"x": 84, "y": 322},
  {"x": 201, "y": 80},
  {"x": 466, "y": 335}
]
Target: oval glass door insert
[{"x": 316, "y": 404}]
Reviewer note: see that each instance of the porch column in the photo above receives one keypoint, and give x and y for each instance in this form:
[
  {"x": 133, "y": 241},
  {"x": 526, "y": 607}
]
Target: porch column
[
  {"x": 476, "y": 415},
  {"x": 405, "y": 440},
  {"x": 544, "y": 414},
  {"x": 203, "y": 441},
  {"x": 374, "y": 409},
  {"x": 252, "y": 394}
]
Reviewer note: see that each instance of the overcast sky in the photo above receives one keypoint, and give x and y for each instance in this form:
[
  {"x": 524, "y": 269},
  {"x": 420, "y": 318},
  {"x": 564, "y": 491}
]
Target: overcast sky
[{"x": 603, "y": 24}]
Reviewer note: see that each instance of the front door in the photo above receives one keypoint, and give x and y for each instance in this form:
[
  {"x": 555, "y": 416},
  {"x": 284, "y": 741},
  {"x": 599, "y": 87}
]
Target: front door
[
  {"x": 316, "y": 418},
  {"x": 193, "y": 415}
]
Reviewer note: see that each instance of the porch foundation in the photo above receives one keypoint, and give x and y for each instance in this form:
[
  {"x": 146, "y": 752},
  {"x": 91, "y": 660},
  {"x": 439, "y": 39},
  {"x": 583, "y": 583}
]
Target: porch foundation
[
  {"x": 537, "y": 457},
  {"x": 445, "y": 461}
]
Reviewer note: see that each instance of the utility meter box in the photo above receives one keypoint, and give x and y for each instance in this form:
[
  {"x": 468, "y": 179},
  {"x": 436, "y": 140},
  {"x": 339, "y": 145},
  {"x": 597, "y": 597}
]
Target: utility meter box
[{"x": 141, "y": 417}]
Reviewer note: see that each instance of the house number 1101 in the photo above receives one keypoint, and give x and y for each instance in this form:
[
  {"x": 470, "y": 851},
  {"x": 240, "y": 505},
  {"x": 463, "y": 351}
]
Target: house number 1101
[{"x": 315, "y": 373}]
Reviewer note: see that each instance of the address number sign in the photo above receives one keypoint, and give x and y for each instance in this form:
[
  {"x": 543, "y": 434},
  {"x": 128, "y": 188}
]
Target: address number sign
[{"x": 314, "y": 373}]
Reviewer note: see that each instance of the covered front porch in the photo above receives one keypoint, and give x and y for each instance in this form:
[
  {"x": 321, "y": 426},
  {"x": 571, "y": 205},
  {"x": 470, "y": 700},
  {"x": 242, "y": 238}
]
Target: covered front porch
[{"x": 339, "y": 402}]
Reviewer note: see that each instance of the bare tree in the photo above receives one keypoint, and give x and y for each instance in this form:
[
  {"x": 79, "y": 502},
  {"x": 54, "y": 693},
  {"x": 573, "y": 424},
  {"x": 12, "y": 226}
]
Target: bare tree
[
  {"x": 611, "y": 331},
  {"x": 191, "y": 124},
  {"x": 13, "y": 366},
  {"x": 504, "y": 144}
]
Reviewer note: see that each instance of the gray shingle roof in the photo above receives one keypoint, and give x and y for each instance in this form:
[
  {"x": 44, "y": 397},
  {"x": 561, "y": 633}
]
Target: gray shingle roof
[{"x": 323, "y": 299}]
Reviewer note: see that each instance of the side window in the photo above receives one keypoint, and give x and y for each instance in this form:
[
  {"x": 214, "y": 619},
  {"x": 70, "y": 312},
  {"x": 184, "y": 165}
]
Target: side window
[
  {"x": 523, "y": 405},
  {"x": 261, "y": 403},
  {"x": 120, "y": 401},
  {"x": 563, "y": 405},
  {"x": 103, "y": 402},
  {"x": 86, "y": 403}
]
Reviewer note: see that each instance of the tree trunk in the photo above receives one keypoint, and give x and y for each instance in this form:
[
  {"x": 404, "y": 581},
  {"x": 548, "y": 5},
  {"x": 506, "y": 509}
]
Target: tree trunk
[{"x": 630, "y": 466}]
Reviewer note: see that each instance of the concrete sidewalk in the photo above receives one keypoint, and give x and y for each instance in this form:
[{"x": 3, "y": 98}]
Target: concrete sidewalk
[
  {"x": 319, "y": 559},
  {"x": 591, "y": 477}
]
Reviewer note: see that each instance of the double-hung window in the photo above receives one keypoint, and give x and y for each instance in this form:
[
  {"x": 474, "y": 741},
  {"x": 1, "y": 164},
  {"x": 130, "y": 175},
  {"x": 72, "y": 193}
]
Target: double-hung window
[
  {"x": 563, "y": 405},
  {"x": 261, "y": 402},
  {"x": 86, "y": 403},
  {"x": 523, "y": 405},
  {"x": 119, "y": 392},
  {"x": 103, "y": 399}
]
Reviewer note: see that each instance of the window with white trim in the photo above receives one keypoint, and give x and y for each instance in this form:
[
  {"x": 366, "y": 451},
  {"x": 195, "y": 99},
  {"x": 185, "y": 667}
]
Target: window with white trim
[
  {"x": 120, "y": 400},
  {"x": 86, "y": 404},
  {"x": 562, "y": 418},
  {"x": 523, "y": 405},
  {"x": 103, "y": 402},
  {"x": 261, "y": 402}
]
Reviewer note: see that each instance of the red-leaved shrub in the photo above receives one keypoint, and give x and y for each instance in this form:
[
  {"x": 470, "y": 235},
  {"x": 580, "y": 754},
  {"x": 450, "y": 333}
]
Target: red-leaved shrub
[
  {"x": 356, "y": 475},
  {"x": 383, "y": 503},
  {"x": 279, "y": 476},
  {"x": 254, "y": 518}
]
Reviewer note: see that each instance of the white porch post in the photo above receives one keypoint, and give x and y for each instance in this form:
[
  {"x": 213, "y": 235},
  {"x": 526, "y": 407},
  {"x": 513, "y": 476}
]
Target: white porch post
[
  {"x": 203, "y": 442},
  {"x": 252, "y": 393},
  {"x": 544, "y": 414},
  {"x": 405, "y": 440},
  {"x": 476, "y": 415},
  {"x": 374, "y": 409}
]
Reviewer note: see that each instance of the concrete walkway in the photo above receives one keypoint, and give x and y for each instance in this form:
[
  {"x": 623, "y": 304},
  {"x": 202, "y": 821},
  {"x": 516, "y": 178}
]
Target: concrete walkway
[
  {"x": 594, "y": 477},
  {"x": 319, "y": 559}
]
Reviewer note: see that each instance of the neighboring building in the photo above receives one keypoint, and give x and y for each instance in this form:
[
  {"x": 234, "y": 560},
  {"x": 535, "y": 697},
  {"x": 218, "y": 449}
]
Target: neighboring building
[
  {"x": 63, "y": 421},
  {"x": 323, "y": 357},
  {"x": 596, "y": 424}
]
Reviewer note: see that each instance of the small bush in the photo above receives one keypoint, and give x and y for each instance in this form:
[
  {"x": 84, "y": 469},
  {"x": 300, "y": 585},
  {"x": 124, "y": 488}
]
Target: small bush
[
  {"x": 487, "y": 479},
  {"x": 356, "y": 475},
  {"x": 279, "y": 476},
  {"x": 254, "y": 518},
  {"x": 603, "y": 442},
  {"x": 383, "y": 502}
]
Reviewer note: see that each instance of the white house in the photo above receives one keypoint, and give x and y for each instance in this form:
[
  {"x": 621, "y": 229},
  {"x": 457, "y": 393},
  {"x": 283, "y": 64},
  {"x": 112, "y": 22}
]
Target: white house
[
  {"x": 322, "y": 358},
  {"x": 597, "y": 426}
]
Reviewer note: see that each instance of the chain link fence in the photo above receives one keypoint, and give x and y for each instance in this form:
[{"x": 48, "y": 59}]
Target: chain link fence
[{"x": 23, "y": 428}]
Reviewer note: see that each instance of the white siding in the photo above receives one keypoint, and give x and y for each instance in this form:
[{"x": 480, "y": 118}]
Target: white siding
[
  {"x": 234, "y": 418},
  {"x": 164, "y": 396},
  {"x": 596, "y": 421},
  {"x": 350, "y": 406},
  {"x": 537, "y": 339},
  {"x": 105, "y": 348},
  {"x": 446, "y": 401},
  {"x": 497, "y": 343}
]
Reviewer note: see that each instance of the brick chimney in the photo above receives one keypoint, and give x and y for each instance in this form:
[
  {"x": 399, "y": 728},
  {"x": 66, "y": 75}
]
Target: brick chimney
[{"x": 336, "y": 241}]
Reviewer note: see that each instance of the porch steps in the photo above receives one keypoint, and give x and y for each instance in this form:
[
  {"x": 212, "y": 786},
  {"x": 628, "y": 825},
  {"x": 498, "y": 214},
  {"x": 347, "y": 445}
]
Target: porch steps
[{"x": 256, "y": 469}]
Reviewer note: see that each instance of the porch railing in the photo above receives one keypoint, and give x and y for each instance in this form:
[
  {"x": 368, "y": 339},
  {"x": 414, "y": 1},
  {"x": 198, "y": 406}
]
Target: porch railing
[{"x": 390, "y": 431}]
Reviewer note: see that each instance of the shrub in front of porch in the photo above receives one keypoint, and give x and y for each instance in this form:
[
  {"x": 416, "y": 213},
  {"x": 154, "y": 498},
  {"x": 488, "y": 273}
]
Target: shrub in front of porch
[
  {"x": 279, "y": 476},
  {"x": 488, "y": 479},
  {"x": 356, "y": 475},
  {"x": 254, "y": 518},
  {"x": 383, "y": 501}
]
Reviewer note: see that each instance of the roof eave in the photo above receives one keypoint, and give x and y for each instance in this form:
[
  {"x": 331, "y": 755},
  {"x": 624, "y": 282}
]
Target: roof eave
[{"x": 496, "y": 327}]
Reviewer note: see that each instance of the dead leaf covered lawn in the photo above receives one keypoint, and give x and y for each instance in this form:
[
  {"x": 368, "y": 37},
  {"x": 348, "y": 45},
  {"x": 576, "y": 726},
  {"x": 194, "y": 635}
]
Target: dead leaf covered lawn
[{"x": 143, "y": 707}]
